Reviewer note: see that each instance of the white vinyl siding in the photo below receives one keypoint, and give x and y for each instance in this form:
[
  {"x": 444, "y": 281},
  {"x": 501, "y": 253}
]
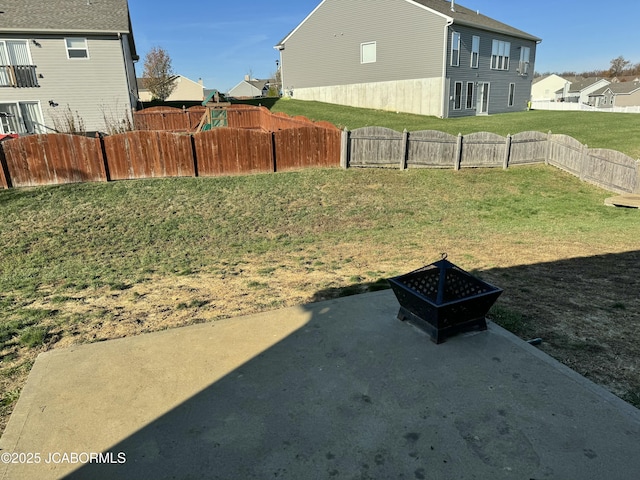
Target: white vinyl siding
[
  {"x": 76, "y": 48},
  {"x": 475, "y": 51},
  {"x": 500, "y": 52},
  {"x": 455, "y": 49},
  {"x": 368, "y": 52}
]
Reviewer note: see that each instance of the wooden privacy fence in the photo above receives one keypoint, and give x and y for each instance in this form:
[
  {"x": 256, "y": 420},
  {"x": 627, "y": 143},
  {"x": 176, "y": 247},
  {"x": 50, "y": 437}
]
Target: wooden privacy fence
[
  {"x": 382, "y": 147},
  {"x": 296, "y": 143},
  {"x": 60, "y": 158},
  {"x": 168, "y": 119},
  {"x": 171, "y": 119}
]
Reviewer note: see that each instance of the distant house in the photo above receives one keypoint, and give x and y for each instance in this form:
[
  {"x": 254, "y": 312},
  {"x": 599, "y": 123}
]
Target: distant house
[
  {"x": 545, "y": 88},
  {"x": 250, "y": 88},
  {"x": 430, "y": 57},
  {"x": 577, "y": 89},
  {"x": 186, "y": 90},
  {"x": 624, "y": 94},
  {"x": 62, "y": 57}
]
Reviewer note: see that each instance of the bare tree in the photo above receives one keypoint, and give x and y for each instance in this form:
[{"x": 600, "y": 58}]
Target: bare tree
[
  {"x": 158, "y": 75},
  {"x": 618, "y": 65}
]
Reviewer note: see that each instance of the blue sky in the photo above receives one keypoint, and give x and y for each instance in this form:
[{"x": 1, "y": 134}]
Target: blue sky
[{"x": 220, "y": 42}]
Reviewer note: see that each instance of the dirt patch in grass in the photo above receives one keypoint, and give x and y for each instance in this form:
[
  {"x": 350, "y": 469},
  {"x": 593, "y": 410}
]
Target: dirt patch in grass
[{"x": 591, "y": 326}]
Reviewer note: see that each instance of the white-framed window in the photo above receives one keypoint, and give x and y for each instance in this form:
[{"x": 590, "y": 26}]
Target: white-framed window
[
  {"x": 475, "y": 51},
  {"x": 21, "y": 117},
  {"x": 16, "y": 67},
  {"x": 470, "y": 92},
  {"x": 457, "y": 96},
  {"x": 455, "y": 49},
  {"x": 512, "y": 93},
  {"x": 500, "y": 52},
  {"x": 523, "y": 67},
  {"x": 76, "y": 47},
  {"x": 368, "y": 52}
]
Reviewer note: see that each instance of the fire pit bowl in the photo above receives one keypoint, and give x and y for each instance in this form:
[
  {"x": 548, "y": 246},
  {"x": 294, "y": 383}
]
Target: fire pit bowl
[{"x": 442, "y": 299}]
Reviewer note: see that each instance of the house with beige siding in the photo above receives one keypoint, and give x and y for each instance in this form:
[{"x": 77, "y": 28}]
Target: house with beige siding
[
  {"x": 545, "y": 88},
  {"x": 429, "y": 57},
  {"x": 185, "y": 90},
  {"x": 61, "y": 57},
  {"x": 250, "y": 88}
]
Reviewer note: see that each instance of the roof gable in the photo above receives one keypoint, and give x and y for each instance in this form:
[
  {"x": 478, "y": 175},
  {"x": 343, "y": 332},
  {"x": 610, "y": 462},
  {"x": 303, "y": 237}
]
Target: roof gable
[
  {"x": 65, "y": 16},
  {"x": 623, "y": 88},
  {"x": 460, "y": 15},
  {"x": 579, "y": 83}
]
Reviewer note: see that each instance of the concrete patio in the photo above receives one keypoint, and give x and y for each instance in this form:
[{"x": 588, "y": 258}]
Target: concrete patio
[{"x": 336, "y": 389}]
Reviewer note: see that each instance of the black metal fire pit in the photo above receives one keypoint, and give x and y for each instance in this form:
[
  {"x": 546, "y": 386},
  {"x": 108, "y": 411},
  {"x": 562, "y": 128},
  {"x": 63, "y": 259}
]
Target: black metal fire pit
[{"x": 442, "y": 299}]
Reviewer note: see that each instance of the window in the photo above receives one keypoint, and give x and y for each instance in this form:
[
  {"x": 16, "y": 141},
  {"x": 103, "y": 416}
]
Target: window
[
  {"x": 457, "y": 98},
  {"x": 368, "y": 52},
  {"x": 16, "y": 69},
  {"x": 470, "y": 89},
  {"x": 512, "y": 93},
  {"x": 455, "y": 49},
  {"x": 475, "y": 51},
  {"x": 500, "y": 55},
  {"x": 77, "y": 48},
  {"x": 523, "y": 68},
  {"x": 21, "y": 117}
]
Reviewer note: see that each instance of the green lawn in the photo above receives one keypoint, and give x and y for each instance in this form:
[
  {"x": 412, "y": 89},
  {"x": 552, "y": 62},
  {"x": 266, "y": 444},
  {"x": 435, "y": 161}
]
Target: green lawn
[
  {"x": 88, "y": 262},
  {"x": 616, "y": 131}
]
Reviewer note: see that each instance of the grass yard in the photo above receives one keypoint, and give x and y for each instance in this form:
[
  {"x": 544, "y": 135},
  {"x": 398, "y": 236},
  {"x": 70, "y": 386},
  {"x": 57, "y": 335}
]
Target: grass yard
[
  {"x": 616, "y": 131},
  {"x": 89, "y": 262}
]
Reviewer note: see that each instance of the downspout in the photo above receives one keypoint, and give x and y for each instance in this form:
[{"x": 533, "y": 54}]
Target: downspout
[
  {"x": 132, "y": 89},
  {"x": 280, "y": 48},
  {"x": 445, "y": 97}
]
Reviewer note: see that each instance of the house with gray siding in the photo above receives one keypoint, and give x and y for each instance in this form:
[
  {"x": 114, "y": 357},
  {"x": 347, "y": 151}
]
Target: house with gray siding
[
  {"x": 61, "y": 57},
  {"x": 429, "y": 57},
  {"x": 623, "y": 94}
]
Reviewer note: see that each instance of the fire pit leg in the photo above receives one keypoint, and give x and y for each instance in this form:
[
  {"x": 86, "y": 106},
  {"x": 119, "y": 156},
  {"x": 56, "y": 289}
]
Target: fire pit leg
[{"x": 405, "y": 315}]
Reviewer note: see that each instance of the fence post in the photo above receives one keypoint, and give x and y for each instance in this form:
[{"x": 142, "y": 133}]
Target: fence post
[
  {"x": 458, "y": 159},
  {"x": 5, "y": 179},
  {"x": 405, "y": 149},
  {"x": 507, "y": 152},
  {"x": 273, "y": 152},
  {"x": 637, "y": 189},
  {"x": 583, "y": 160},
  {"x": 193, "y": 155},
  {"x": 105, "y": 160},
  {"x": 344, "y": 149}
]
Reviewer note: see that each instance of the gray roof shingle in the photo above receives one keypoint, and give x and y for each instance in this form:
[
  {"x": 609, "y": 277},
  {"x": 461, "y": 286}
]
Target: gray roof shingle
[
  {"x": 65, "y": 16},
  {"x": 465, "y": 16}
]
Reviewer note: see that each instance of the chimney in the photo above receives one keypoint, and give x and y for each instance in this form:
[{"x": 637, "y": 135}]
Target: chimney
[
  {"x": 200, "y": 81},
  {"x": 247, "y": 78}
]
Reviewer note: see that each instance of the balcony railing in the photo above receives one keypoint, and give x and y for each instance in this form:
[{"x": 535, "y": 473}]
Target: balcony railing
[{"x": 18, "y": 76}]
